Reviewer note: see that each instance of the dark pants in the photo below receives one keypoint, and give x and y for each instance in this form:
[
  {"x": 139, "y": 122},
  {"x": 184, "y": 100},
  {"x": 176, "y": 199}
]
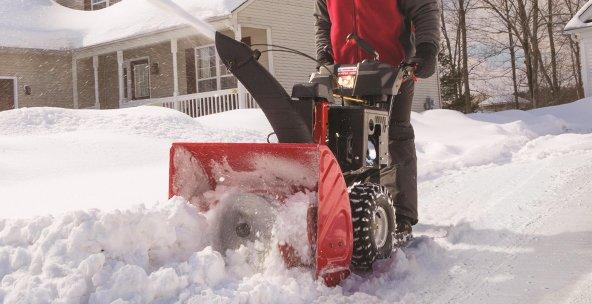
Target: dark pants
[{"x": 402, "y": 150}]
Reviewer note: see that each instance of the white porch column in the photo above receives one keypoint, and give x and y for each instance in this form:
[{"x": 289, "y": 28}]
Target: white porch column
[
  {"x": 175, "y": 67},
  {"x": 270, "y": 54},
  {"x": 96, "y": 75},
  {"x": 120, "y": 74},
  {"x": 242, "y": 98},
  {"x": 75, "y": 83}
]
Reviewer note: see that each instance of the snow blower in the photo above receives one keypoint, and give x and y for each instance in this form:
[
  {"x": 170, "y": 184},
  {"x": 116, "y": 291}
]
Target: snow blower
[{"x": 333, "y": 141}]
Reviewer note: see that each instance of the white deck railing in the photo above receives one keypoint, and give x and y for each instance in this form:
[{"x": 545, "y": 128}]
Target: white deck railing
[{"x": 199, "y": 104}]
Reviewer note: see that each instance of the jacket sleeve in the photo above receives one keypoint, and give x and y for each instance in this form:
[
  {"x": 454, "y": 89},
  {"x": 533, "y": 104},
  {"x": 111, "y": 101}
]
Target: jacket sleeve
[
  {"x": 323, "y": 32},
  {"x": 425, "y": 17}
]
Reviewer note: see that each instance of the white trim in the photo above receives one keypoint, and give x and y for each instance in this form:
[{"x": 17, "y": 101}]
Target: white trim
[
  {"x": 15, "y": 88},
  {"x": 96, "y": 79},
  {"x": 271, "y": 67},
  {"x": 218, "y": 63},
  {"x": 585, "y": 66},
  {"x": 75, "y": 83},
  {"x": 120, "y": 77},
  {"x": 242, "y": 6},
  {"x": 269, "y": 40},
  {"x": 238, "y": 35},
  {"x": 92, "y": 5},
  {"x": 199, "y": 104},
  {"x": 151, "y": 38},
  {"x": 174, "y": 51},
  {"x": 195, "y": 49},
  {"x": 130, "y": 85}
]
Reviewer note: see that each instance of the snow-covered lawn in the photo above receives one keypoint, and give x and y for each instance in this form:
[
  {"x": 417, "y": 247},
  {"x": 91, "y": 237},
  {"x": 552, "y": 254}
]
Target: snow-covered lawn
[{"x": 505, "y": 207}]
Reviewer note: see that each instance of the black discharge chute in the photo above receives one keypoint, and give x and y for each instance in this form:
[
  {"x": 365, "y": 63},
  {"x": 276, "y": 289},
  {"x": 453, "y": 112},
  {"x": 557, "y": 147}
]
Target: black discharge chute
[{"x": 286, "y": 121}]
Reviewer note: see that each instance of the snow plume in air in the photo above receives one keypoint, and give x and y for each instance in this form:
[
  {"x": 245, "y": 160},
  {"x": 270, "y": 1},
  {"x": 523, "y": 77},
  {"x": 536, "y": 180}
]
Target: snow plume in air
[{"x": 174, "y": 9}]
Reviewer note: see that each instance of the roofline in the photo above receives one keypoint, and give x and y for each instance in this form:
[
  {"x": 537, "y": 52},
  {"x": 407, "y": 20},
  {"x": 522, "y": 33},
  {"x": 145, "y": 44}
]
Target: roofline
[
  {"x": 212, "y": 19},
  {"x": 580, "y": 11},
  {"x": 170, "y": 29},
  {"x": 243, "y": 5}
]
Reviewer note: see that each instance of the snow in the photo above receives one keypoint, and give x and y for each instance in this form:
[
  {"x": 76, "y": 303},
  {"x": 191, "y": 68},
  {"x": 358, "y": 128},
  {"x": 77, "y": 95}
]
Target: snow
[
  {"x": 44, "y": 24},
  {"x": 579, "y": 20},
  {"x": 502, "y": 99},
  {"x": 504, "y": 213}
]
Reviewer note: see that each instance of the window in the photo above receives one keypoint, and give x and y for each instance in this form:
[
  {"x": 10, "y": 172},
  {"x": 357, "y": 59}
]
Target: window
[
  {"x": 99, "y": 4},
  {"x": 212, "y": 75},
  {"x": 206, "y": 69}
]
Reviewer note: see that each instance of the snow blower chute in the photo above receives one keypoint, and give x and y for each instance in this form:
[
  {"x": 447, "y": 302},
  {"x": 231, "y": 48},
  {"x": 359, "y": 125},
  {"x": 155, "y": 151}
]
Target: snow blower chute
[{"x": 333, "y": 145}]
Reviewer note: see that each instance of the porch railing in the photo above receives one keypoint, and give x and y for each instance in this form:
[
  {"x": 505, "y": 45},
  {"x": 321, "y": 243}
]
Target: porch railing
[{"x": 200, "y": 104}]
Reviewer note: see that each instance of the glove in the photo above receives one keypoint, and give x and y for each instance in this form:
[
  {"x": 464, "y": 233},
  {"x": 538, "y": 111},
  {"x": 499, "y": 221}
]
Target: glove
[
  {"x": 426, "y": 59},
  {"x": 324, "y": 57}
]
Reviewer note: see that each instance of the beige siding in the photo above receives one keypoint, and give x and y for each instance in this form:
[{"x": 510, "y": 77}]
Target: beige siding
[
  {"x": 258, "y": 36},
  {"x": 291, "y": 24},
  {"x": 424, "y": 89},
  {"x": 48, "y": 74}
]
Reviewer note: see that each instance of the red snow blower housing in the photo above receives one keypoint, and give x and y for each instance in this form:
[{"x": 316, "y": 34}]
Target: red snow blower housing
[{"x": 333, "y": 144}]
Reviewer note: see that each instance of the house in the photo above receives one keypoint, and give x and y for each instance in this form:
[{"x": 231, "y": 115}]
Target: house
[
  {"x": 581, "y": 26},
  {"x": 504, "y": 102},
  {"x": 107, "y": 54}
]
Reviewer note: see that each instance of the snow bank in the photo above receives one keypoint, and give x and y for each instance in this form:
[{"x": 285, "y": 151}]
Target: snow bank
[
  {"x": 161, "y": 255},
  {"x": 448, "y": 140},
  {"x": 108, "y": 159},
  {"x": 493, "y": 189},
  {"x": 502, "y": 99}
]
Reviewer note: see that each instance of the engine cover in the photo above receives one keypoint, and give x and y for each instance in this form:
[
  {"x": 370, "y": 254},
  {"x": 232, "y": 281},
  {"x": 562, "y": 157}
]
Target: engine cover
[{"x": 358, "y": 136}]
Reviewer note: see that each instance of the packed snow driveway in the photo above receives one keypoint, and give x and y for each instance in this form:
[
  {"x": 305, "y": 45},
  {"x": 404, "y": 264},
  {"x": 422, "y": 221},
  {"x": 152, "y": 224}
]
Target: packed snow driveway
[{"x": 505, "y": 207}]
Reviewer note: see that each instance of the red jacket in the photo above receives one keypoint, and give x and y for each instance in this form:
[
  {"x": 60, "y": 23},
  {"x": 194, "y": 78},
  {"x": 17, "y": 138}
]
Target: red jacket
[{"x": 385, "y": 24}]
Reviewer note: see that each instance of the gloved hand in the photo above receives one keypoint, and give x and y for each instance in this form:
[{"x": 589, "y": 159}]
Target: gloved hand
[
  {"x": 325, "y": 57},
  {"x": 426, "y": 59}
]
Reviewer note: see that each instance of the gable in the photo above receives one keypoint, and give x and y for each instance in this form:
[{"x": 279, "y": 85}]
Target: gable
[{"x": 582, "y": 19}]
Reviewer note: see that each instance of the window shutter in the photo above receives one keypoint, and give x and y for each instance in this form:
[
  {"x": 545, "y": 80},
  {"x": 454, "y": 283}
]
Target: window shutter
[
  {"x": 87, "y": 5},
  {"x": 190, "y": 71}
]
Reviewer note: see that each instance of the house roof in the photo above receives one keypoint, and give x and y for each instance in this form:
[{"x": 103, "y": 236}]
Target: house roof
[
  {"x": 502, "y": 99},
  {"x": 582, "y": 19},
  {"x": 44, "y": 24}
]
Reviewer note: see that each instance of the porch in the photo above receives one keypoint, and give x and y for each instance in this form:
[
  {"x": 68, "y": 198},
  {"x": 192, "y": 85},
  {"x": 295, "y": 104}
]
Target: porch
[
  {"x": 201, "y": 104},
  {"x": 175, "y": 70}
]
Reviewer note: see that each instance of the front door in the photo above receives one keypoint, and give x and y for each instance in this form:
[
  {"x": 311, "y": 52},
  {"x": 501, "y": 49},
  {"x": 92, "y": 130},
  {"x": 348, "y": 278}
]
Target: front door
[
  {"x": 140, "y": 79},
  {"x": 7, "y": 94}
]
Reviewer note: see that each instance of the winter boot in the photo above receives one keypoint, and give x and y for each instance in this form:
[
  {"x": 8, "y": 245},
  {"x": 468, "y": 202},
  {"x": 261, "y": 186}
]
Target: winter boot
[{"x": 403, "y": 232}]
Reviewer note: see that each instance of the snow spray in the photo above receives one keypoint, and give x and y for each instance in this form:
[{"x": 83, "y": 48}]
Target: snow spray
[{"x": 174, "y": 9}]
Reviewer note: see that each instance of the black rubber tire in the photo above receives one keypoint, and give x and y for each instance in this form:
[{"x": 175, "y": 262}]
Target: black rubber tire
[{"x": 365, "y": 200}]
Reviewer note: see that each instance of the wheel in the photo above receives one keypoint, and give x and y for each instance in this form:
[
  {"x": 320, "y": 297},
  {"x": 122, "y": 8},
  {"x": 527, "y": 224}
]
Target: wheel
[
  {"x": 373, "y": 217},
  {"x": 242, "y": 219}
]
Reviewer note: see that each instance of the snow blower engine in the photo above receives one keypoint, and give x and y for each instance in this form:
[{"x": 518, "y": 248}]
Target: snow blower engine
[{"x": 333, "y": 147}]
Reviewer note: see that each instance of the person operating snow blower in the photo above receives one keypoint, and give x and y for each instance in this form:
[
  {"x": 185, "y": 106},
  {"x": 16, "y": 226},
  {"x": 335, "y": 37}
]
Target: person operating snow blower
[{"x": 396, "y": 31}]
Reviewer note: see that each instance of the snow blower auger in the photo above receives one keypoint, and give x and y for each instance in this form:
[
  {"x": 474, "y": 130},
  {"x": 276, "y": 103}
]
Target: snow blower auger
[{"x": 333, "y": 141}]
